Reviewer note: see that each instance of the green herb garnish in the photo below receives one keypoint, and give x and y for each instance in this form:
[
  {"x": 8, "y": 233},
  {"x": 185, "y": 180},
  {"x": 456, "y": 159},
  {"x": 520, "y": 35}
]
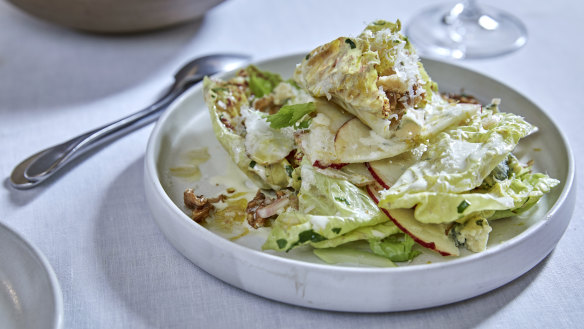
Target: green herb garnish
[
  {"x": 303, "y": 124},
  {"x": 343, "y": 200},
  {"x": 351, "y": 43},
  {"x": 262, "y": 82},
  {"x": 462, "y": 206},
  {"x": 282, "y": 243},
  {"x": 293, "y": 83},
  {"x": 218, "y": 89},
  {"x": 289, "y": 114},
  {"x": 306, "y": 236},
  {"x": 289, "y": 170},
  {"x": 311, "y": 236}
]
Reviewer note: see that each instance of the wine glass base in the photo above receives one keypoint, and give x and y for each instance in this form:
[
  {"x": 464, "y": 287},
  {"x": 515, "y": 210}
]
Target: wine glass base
[{"x": 489, "y": 33}]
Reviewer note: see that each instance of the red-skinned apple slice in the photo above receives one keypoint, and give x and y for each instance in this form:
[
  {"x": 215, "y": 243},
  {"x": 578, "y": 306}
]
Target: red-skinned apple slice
[
  {"x": 431, "y": 236},
  {"x": 342, "y": 136},
  {"x": 318, "y": 143},
  {"x": 376, "y": 176},
  {"x": 387, "y": 171},
  {"x": 334, "y": 113},
  {"x": 355, "y": 142}
]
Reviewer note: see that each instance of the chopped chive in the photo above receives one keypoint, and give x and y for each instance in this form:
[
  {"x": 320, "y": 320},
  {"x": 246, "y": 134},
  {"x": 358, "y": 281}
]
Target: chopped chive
[
  {"x": 462, "y": 206},
  {"x": 343, "y": 200},
  {"x": 351, "y": 43},
  {"x": 289, "y": 170},
  {"x": 281, "y": 243}
]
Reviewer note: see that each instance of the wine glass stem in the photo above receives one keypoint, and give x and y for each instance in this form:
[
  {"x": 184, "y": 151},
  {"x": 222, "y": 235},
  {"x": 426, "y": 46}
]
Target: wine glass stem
[
  {"x": 464, "y": 10},
  {"x": 470, "y": 6}
]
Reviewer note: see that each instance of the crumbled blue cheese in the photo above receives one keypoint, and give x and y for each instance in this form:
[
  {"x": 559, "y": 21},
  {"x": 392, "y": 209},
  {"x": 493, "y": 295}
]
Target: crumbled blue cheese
[{"x": 473, "y": 234}]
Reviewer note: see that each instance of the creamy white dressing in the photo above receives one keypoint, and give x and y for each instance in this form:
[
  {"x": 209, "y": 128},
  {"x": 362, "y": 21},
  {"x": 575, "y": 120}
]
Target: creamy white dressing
[
  {"x": 457, "y": 155},
  {"x": 308, "y": 178},
  {"x": 319, "y": 222}
]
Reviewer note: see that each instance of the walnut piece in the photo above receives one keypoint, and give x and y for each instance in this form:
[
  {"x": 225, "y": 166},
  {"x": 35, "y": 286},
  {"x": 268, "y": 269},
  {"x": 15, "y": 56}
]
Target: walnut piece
[
  {"x": 461, "y": 98},
  {"x": 252, "y": 207},
  {"x": 201, "y": 206}
]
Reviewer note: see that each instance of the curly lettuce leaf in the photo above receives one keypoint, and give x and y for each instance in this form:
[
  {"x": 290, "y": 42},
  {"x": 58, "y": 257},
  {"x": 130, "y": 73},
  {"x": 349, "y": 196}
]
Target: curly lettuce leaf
[
  {"x": 375, "y": 76},
  {"x": 456, "y": 162},
  {"x": 222, "y": 113},
  {"x": 521, "y": 184},
  {"x": 328, "y": 208}
]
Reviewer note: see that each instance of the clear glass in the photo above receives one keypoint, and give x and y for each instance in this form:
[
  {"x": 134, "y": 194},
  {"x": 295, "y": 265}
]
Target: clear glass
[{"x": 465, "y": 30}]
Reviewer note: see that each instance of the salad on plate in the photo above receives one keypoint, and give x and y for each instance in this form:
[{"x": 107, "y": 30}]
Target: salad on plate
[{"x": 359, "y": 156}]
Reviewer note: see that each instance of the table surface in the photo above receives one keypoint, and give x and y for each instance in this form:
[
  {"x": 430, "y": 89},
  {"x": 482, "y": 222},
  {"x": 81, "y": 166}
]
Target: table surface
[{"x": 115, "y": 267}]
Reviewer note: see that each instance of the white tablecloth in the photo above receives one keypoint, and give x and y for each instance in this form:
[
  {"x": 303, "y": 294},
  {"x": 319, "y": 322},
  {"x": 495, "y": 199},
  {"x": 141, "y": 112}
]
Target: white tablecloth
[{"x": 115, "y": 267}]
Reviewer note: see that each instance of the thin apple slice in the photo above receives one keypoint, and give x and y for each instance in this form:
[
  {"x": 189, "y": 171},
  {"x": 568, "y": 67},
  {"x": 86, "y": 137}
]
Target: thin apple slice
[
  {"x": 355, "y": 142},
  {"x": 431, "y": 236},
  {"x": 318, "y": 143},
  {"x": 376, "y": 176},
  {"x": 358, "y": 170},
  {"x": 387, "y": 171},
  {"x": 355, "y": 173},
  {"x": 334, "y": 113}
]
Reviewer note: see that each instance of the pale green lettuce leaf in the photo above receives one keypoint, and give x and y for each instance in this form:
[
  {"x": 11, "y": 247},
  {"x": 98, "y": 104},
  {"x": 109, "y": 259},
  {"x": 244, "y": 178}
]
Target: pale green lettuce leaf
[
  {"x": 376, "y": 232},
  {"x": 349, "y": 255},
  {"x": 224, "y": 116},
  {"x": 397, "y": 247},
  {"x": 523, "y": 186},
  {"x": 456, "y": 162},
  {"x": 328, "y": 208}
]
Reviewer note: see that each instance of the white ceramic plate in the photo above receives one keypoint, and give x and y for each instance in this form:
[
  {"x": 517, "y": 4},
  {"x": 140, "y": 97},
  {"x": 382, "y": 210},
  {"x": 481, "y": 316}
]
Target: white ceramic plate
[
  {"x": 30, "y": 295},
  {"x": 298, "y": 277}
]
